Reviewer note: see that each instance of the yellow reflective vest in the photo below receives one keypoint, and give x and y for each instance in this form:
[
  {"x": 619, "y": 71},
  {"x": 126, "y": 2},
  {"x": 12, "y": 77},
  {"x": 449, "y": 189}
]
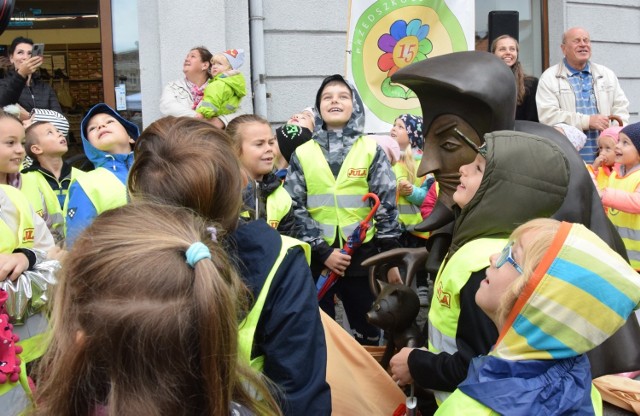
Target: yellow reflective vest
[
  {"x": 459, "y": 403},
  {"x": 445, "y": 306},
  {"x": 43, "y": 199},
  {"x": 408, "y": 212},
  {"x": 249, "y": 324},
  {"x": 627, "y": 224},
  {"x": 104, "y": 189},
  {"x": 35, "y": 346},
  {"x": 336, "y": 203},
  {"x": 24, "y": 236},
  {"x": 278, "y": 205}
]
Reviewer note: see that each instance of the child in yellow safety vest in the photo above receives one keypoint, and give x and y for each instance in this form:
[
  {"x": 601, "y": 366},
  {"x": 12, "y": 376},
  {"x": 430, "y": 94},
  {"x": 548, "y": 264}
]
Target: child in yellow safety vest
[
  {"x": 46, "y": 182},
  {"x": 107, "y": 138},
  {"x": 605, "y": 164},
  {"x": 407, "y": 131},
  {"x": 25, "y": 242},
  {"x": 327, "y": 179},
  {"x": 264, "y": 196},
  {"x": 621, "y": 196},
  {"x": 554, "y": 292}
]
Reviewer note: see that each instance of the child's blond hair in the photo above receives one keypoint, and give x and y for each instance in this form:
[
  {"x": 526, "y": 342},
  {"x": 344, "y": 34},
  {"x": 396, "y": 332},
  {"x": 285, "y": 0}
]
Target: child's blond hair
[{"x": 545, "y": 230}]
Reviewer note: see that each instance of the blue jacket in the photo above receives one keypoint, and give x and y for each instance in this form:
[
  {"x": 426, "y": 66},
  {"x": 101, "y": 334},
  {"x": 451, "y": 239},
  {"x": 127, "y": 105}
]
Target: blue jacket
[
  {"x": 81, "y": 211},
  {"x": 289, "y": 332}
]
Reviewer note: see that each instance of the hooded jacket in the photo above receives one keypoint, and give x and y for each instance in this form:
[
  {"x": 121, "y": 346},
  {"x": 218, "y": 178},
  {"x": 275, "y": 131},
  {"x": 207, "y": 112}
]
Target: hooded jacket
[
  {"x": 80, "y": 209},
  {"x": 525, "y": 177},
  {"x": 222, "y": 94},
  {"x": 14, "y": 90},
  {"x": 289, "y": 333},
  {"x": 335, "y": 145},
  {"x": 255, "y": 197},
  {"x": 579, "y": 295}
]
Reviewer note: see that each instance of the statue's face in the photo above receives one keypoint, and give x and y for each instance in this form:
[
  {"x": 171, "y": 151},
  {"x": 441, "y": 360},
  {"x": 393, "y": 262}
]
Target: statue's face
[{"x": 445, "y": 150}]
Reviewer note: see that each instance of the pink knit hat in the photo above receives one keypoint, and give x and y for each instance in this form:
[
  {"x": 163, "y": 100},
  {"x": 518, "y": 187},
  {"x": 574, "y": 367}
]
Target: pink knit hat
[
  {"x": 390, "y": 147},
  {"x": 612, "y": 132}
]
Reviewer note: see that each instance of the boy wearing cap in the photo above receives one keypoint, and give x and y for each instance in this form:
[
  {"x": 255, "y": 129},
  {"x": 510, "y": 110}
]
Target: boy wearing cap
[
  {"x": 107, "y": 140},
  {"x": 227, "y": 86},
  {"x": 46, "y": 181},
  {"x": 621, "y": 197},
  {"x": 327, "y": 179}
]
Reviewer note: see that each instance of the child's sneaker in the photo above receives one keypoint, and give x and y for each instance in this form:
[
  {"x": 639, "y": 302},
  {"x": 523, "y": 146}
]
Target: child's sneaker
[{"x": 423, "y": 295}]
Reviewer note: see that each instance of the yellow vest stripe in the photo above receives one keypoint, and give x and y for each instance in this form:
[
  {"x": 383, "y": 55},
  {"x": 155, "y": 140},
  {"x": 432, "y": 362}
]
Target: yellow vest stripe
[
  {"x": 249, "y": 324},
  {"x": 627, "y": 224}
]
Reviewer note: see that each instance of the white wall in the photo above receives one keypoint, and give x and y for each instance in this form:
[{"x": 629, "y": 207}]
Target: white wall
[
  {"x": 615, "y": 38},
  {"x": 305, "y": 41}
]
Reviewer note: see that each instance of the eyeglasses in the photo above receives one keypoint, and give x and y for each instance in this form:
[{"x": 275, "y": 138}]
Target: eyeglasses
[
  {"x": 478, "y": 149},
  {"x": 507, "y": 256}
]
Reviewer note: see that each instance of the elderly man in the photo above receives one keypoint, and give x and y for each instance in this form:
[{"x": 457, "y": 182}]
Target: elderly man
[{"x": 580, "y": 93}]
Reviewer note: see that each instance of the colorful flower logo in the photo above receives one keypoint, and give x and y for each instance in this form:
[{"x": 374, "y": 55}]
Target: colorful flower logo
[{"x": 404, "y": 44}]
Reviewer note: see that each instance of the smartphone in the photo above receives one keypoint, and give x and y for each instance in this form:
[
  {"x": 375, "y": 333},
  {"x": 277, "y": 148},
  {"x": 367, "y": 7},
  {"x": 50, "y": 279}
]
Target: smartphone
[{"x": 38, "y": 49}]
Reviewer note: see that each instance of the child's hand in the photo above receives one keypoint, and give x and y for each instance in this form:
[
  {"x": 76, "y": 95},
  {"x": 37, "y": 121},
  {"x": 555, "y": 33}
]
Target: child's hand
[
  {"x": 12, "y": 265},
  {"x": 405, "y": 188},
  {"x": 198, "y": 115},
  {"x": 597, "y": 162},
  {"x": 338, "y": 262},
  {"x": 393, "y": 276}
]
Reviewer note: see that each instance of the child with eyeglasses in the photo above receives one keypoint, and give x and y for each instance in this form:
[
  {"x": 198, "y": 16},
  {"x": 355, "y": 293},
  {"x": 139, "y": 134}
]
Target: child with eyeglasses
[
  {"x": 555, "y": 292},
  {"x": 498, "y": 191}
]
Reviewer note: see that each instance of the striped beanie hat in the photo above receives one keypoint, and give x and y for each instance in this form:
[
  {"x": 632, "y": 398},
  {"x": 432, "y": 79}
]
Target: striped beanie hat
[
  {"x": 58, "y": 120},
  {"x": 580, "y": 294}
]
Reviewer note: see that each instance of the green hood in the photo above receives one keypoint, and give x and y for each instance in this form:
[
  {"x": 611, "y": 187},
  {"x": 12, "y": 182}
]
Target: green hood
[{"x": 526, "y": 177}]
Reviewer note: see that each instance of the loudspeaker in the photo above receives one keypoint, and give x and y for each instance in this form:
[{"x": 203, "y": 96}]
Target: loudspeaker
[{"x": 503, "y": 22}]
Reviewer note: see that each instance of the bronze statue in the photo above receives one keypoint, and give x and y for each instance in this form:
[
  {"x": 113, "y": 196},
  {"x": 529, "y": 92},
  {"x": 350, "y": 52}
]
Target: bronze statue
[{"x": 463, "y": 96}]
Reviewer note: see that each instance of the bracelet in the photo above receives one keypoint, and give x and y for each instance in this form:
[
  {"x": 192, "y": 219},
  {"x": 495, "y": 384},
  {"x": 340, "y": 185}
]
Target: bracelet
[{"x": 31, "y": 256}]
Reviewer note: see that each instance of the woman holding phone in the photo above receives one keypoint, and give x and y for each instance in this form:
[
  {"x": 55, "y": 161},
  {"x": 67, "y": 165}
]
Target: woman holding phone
[{"x": 22, "y": 85}]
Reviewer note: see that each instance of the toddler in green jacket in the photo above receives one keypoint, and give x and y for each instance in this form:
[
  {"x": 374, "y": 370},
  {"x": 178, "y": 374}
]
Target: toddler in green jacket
[{"x": 226, "y": 87}]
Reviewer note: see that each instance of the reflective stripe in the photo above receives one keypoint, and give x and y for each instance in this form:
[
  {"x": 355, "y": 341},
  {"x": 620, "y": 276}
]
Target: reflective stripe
[
  {"x": 634, "y": 255},
  {"x": 443, "y": 342},
  {"x": 351, "y": 201},
  {"x": 329, "y": 230},
  {"x": 627, "y": 224},
  {"x": 249, "y": 324},
  {"x": 321, "y": 200},
  {"x": 408, "y": 209},
  {"x": 629, "y": 233},
  {"x": 208, "y": 105}
]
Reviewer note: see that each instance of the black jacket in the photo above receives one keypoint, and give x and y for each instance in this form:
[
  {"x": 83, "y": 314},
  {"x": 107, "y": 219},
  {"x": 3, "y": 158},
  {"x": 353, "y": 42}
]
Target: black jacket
[
  {"x": 254, "y": 197},
  {"x": 528, "y": 109},
  {"x": 14, "y": 90},
  {"x": 289, "y": 333}
]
